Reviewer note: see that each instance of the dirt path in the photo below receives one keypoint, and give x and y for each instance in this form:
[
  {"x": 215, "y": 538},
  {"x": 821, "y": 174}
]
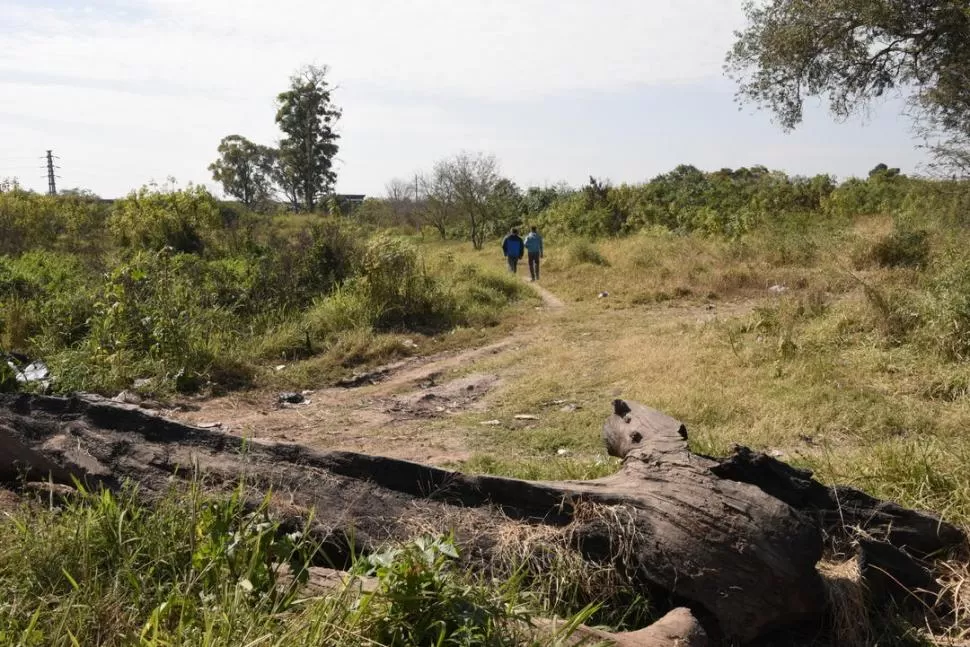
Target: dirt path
[
  {"x": 549, "y": 299},
  {"x": 385, "y": 414},
  {"x": 391, "y": 410}
]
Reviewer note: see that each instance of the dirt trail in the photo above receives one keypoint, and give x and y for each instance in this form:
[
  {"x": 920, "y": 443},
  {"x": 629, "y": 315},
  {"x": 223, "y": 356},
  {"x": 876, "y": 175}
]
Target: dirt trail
[
  {"x": 377, "y": 416},
  {"x": 549, "y": 299},
  {"x": 387, "y": 411}
]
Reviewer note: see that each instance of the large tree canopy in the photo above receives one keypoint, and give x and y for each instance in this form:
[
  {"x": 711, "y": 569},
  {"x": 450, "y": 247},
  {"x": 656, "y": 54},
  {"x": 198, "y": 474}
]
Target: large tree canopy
[
  {"x": 465, "y": 185},
  {"x": 851, "y": 51},
  {"x": 245, "y": 170},
  {"x": 306, "y": 115}
]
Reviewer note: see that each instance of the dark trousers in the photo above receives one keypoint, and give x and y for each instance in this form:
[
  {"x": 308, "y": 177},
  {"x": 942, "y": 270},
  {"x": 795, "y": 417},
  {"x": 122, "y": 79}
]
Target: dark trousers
[
  {"x": 534, "y": 265},
  {"x": 513, "y": 263}
]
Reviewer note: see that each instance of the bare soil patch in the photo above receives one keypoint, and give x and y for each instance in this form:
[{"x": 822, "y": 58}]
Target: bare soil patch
[{"x": 386, "y": 414}]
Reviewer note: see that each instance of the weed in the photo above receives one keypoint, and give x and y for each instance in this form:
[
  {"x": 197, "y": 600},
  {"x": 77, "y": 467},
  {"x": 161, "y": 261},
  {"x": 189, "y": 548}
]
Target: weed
[
  {"x": 200, "y": 569},
  {"x": 902, "y": 248},
  {"x": 584, "y": 252}
]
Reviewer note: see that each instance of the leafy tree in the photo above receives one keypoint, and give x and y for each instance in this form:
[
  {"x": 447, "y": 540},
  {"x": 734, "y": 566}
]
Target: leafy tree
[
  {"x": 507, "y": 206},
  {"x": 596, "y": 195},
  {"x": 440, "y": 208},
  {"x": 880, "y": 170},
  {"x": 245, "y": 170},
  {"x": 852, "y": 51},
  {"x": 538, "y": 199},
  {"x": 287, "y": 180},
  {"x": 468, "y": 181},
  {"x": 306, "y": 115},
  {"x": 79, "y": 192}
]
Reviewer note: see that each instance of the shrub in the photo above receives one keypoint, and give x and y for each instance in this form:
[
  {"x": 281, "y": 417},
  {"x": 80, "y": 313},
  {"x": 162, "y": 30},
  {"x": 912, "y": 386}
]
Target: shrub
[
  {"x": 46, "y": 299},
  {"x": 161, "y": 314},
  {"x": 33, "y": 221},
  {"x": 583, "y": 251},
  {"x": 399, "y": 290},
  {"x": 947, "y": 308},
  {"x": 424, "y": 600},
  {"x": 151, "y": 219},
  {"x": 902, "y": 248},
  {"x": 105, "y": 570}
]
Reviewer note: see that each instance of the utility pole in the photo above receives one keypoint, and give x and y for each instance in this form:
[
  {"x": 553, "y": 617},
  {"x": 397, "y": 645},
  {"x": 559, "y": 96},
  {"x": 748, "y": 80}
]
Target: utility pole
[
  {"x": 415, "y": 188},
  {"x": 51, "y": 184}
]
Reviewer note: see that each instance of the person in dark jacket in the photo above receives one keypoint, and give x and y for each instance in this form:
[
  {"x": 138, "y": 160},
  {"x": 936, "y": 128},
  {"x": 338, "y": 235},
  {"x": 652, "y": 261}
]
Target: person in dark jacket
[{"x": 514, "y": 249}]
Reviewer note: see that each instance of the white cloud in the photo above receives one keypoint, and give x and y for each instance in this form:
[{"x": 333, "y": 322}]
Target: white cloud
[
  {"x": 518, "y": 47},
  {"x": 130, "y": 91}
]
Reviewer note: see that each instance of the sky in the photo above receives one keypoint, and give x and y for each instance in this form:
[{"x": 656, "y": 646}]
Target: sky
[{"x": 127, "y": 93}]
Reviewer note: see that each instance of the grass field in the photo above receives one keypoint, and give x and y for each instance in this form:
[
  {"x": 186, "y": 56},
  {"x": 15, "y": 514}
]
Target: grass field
[
  {"x": 840, "y": 346},
  {"x": 807, "y": 373}
]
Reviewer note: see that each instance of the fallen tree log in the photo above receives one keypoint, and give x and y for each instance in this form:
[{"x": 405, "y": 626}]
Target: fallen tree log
[{"x": 714, "y": 536}]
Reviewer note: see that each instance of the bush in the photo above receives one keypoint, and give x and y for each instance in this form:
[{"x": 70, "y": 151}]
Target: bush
[
  {"x": 399, "y": 290},
  {"x": 902, "y": 248},
  {"x": 33, "y": 221},
  {"x": 947, "y": 308},
  {"x": 162, "y": 315},
  {"x": 152, "y": 219},
  {"x": 106, "y": 570},
  {"x": 46, "y": 299},
  {"x": 424, "y": 600},
  {"x": 584, "y": 252}
]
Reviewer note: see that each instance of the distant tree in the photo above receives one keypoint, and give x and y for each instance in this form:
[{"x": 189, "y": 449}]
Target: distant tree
[
  {"x": 596, "y": 195},
  {"x": 440, "y": 208},
  {"x": 854, "y": 51},
  {"x": 78, "y": 192},
  {"x": 245, "y": 170},
  {"x": 507, "y": 206},
  {"x": 9, "y": 184},
  {"x": 287, "y": 181},
  {"x": 306, "y": 115},
  {"x": 402, "y": 200},
  {"x": 882, "y": 171},
  {"x": 469, "y": 181},
  {"x": 538, "y": 199}
]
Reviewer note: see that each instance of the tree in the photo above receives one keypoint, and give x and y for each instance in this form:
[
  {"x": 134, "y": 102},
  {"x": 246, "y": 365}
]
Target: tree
[
  {"x": 507, "y": 207},
  {"x": 439, "y": 203},
  {"x": 306, "y": 115},
  {"x": 79, "y": 192},
  {"x": 287, "y": 180},
  {"x": 245, "y": 170},
  {"x": 852, "y": 51},
  {"x": 469, "y": 181},
  {"x": 402, "y": 200},
  {"x": 881, "y": 171},
  {"x": 538, "y": 199}
]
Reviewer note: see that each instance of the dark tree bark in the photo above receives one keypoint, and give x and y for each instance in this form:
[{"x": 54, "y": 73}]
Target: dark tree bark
[{"x": 739, "y": 554}]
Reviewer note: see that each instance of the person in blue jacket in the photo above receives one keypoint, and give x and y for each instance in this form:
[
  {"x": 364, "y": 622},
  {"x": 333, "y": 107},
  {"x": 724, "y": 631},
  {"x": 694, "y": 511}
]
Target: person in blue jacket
[
  {"x": 533, "y": 245},
  {"x": 514, "y": 249}
]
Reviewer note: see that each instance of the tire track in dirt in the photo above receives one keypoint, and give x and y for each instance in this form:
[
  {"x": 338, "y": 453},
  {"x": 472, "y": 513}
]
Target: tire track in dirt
[{"x": 388, "y": 416}]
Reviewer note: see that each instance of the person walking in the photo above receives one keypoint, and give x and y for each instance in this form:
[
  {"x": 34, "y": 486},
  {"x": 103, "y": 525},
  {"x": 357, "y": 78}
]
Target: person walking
[
  {"x": 533, "y": 244},
  {"x": 514, "y": 249}
]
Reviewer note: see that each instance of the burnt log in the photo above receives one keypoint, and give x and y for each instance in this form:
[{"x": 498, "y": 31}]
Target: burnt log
[
  {"x": 891, "y": 575},
  {"x": 737, "y": 554},
  {"x": 841, "y": 511}
]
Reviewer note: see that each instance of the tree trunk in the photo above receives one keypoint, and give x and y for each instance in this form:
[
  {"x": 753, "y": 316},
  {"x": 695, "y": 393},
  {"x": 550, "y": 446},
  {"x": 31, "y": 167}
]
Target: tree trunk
[{"x": 737, "y": 554}]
